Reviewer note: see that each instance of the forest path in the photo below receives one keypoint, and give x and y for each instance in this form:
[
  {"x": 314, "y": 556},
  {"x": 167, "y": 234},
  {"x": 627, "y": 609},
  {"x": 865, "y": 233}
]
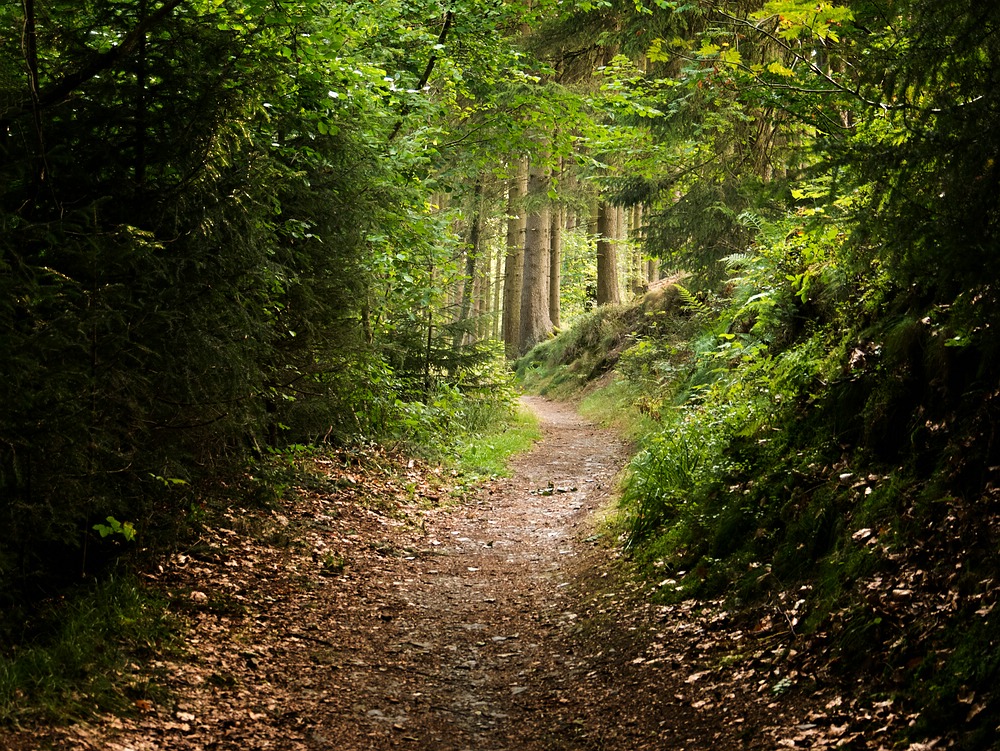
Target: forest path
[
  {"x": 504, "y": 623},
  {"x": 508, "y": 629},
  {"x": 488, "y": 601}
]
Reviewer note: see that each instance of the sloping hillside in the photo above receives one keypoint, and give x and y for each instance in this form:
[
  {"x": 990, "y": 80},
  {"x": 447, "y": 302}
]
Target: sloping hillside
[{"x": 831, "y": 474}]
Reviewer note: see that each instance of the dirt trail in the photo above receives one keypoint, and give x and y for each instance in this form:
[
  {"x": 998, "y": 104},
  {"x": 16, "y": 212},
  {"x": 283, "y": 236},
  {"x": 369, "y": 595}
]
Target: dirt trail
[
  {"x": 508, "y": 630},
  {"x": 484, "y": 604},
  {"x": 501, "y": 624}
]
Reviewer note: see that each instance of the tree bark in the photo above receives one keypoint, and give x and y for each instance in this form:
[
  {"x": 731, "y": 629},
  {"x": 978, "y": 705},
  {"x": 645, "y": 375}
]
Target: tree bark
[
  {"x": 555, "y": 265},
  {"x": 484, "y": 288},
  {"x": 495, "y": 318},
  {"x": 141, "y": 112},
  {"x": 653, "y": 270},
  {"x": 535, "y": 321},
  {"x": 471, "y": 258},
  {"x": 29, "y": 48},
  {"x": 639, "y": 282},
  {"x": 514, "y": 261},
  {"x": 608, "y": 292}
]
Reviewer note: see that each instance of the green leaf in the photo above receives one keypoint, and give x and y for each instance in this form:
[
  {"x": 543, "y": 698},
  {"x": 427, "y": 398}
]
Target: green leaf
[
  {"x": 731, "y": 57},
  {"x": 115, "y": 527},
  {"x": 655, "y": 52}
]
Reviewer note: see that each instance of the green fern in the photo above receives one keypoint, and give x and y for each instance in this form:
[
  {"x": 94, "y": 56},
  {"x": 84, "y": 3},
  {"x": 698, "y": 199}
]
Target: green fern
[
  {"x": 691, "y": 302},
  {"x": 750, "y": 220},
  {"x": 737, "y": 261}
]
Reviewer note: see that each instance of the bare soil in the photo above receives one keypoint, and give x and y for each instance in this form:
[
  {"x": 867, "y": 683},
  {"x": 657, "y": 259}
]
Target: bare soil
[{"x": 374, "y": 616}]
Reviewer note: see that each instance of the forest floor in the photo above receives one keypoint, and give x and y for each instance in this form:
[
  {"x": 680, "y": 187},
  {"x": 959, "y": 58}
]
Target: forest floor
[{"x": 379, "y": 615}]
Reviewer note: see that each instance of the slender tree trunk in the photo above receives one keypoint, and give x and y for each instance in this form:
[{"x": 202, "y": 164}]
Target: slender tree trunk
[
  {"x": 29, "y": 48},
  {"x": 535, "y": 321},
  {"x": 484, "y": 293},
  {"x": 653, "y": 270},
  {"x": 449, "y": 18},
  {"x": 437, "y": 201},
  {"x": 495, "y": 318},
  {"x": 608, "y": 292},
  {"x": 555, "y": 265},
  {"x": 514, "y": 261},
  {"x": 621, "y": 250},
  {"x": 639, "y": 281},
  {"x": 471, "y": 258},
  {"x": 140, "y": 113}
]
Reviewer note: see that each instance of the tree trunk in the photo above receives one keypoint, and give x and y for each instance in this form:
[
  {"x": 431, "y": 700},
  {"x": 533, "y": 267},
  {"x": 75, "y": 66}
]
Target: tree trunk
[
  {"x": 639, "y": 281},
  {"x": 495, "y": 319},
  {"x": 141, "y": 112},
  {"x": 514, "y": 262},
  {"x": 653, "y": 270},
  {"x": 607, "y": 255},
  {"x": 535, "y": 322},
  {"x": 484, "y": 289},
  {"x": 471, "y": 257},
  {"x": 29, "y": 47},
  {"x": 555, "y": 265}
]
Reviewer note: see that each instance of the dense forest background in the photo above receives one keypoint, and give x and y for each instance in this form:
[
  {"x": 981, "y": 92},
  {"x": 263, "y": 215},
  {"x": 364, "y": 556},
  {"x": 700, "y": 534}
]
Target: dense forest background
[{"x": 233, "y": 228}]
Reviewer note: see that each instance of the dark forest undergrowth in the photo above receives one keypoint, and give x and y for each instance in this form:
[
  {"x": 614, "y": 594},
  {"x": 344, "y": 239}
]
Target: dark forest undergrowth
[{"x": 372, "y": 608}]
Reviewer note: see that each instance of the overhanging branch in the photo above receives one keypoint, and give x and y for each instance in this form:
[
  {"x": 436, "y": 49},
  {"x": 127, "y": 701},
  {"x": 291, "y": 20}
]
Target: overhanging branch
[
  {"x": 60, "y": 90},
  {"x": 449, "y": 18}
]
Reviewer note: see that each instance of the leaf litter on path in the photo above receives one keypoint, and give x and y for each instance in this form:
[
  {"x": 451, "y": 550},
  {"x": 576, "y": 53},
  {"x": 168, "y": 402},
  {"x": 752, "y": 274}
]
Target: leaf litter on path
[{"x": 365, "y": 617}]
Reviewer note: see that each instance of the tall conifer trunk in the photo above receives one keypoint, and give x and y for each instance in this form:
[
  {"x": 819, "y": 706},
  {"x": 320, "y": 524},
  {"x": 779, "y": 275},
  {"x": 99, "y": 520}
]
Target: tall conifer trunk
[
  {"x": 514, "y": 261},
  {"x": 484, "y": 289},
  {"x": 555, "y": 264},
  {"x": 608, "y": 292},
  {"x": 495, "y": 318},
  {"x": 535, "y": 321},
  {"x": 639, "y": 280},
  {"x": 471, "y": 258}
]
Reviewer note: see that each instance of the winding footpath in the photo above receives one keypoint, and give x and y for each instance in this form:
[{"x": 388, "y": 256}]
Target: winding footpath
[{"x": 481, "y": 611}]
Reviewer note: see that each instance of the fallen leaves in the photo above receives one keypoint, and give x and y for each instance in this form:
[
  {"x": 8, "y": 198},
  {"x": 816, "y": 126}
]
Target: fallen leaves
[{"x": 360, "y": 614}]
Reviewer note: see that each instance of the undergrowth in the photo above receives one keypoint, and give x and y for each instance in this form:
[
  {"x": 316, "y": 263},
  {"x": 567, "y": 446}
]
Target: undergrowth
[
  {"x": 487, "y": 452},
  {"x": 78, "y": 650},
  {"x": 79, "y": 655},
  {"x": 801, "y": 441}
]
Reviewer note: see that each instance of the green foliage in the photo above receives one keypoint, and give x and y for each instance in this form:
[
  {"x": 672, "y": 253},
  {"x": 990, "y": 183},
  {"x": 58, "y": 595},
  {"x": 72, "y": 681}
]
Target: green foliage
[
  {"x": 228, "y": 230},
  {"x": 487, "y": 451},
  {"x": 480, "y": 400},
  {"x": 115, "y": 527},
  {"x": 828, "y": 171},
  {"x": 578, "y": 275},
  {"x": 161, "y": 321},
  {"x": 71, "y": 659},
  {"x": 678, "y": 468},
  {"x": 216, "y": 240}
]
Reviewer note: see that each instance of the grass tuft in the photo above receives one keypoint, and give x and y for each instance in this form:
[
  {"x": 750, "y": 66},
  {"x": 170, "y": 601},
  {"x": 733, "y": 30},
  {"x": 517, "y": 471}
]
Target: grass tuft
[
  {"x": 73, "y": 659},
  {"x": 486, "y": 453}
]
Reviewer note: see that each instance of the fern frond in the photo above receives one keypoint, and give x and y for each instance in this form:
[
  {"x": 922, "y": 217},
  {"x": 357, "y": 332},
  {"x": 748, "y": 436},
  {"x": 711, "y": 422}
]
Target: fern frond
[
  {"x": 692, "y": 303},
  {"x": 750, "y": 220},
  {"x": 737, "y": 260}
]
